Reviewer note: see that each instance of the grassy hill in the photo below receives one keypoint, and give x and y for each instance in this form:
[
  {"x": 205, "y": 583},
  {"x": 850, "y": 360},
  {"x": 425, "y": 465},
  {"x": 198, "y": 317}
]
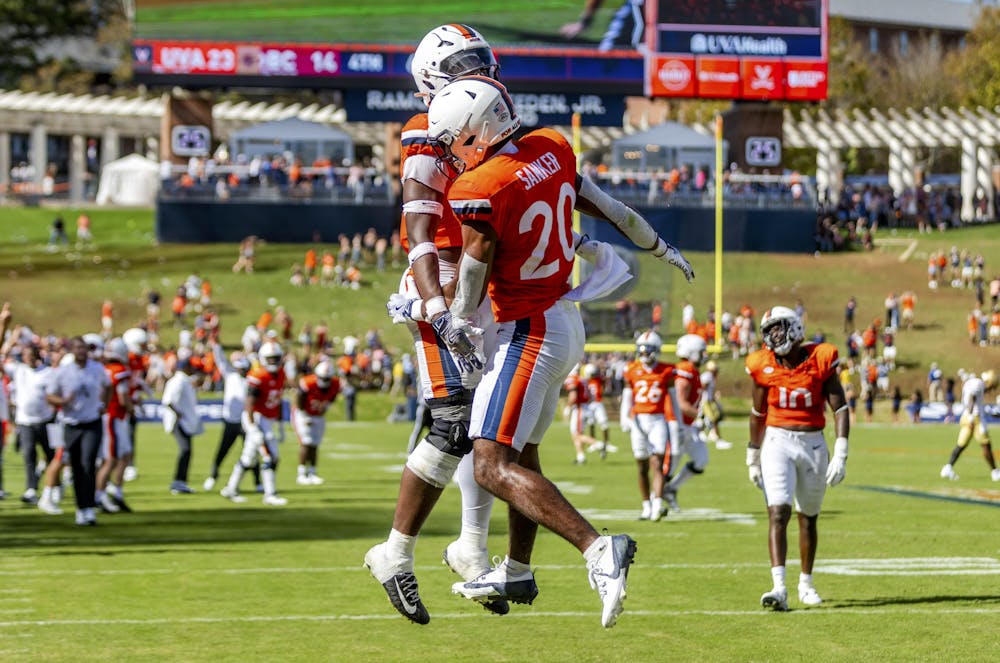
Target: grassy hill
[{"x": 64, "y": 290}]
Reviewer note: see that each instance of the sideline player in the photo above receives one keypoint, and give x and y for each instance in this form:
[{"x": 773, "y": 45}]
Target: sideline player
[
  {"x": 432, "y": 237},
  {"x": 787, "y": 455},
  {"x": 711, "y": 410},
  {"x": 515, "y": 205},
  {"x": 691, "y": 350},
  {"x": 972, "y": 425},
  {"x": 597, "y": 414},
  {"x": 261, "y": 425},
  {"x": 577, "y": 400},
  {"x": 316, "y": 393},
  {"x": 116, "y": 445},
  {"x": 649, "y": 385}
]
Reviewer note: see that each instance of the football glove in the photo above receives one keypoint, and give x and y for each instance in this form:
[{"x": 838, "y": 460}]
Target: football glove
[
  {"x": 837, "y": 469},
  {"x": 670, "y": 255},
  {"x": 400, "y": 308},
  {"x": 753, "y": 465},
  {"x": 457, "y": 335}
]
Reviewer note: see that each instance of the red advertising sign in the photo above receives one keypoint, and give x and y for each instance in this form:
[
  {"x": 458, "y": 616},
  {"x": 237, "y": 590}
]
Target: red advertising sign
[
  {"x": 762, "y": 79},
  {"x": 672, "y": 76},
  {"x": 718, "y": 77},
  {"x": 805, "y": 80}
]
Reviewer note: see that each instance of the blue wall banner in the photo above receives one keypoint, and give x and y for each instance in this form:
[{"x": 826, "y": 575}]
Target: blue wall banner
[{"x": 210, "y": 411}]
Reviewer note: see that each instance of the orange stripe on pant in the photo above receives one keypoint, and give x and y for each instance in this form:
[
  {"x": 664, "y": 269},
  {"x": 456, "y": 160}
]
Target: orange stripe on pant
[{"x": 526, "y": 360}]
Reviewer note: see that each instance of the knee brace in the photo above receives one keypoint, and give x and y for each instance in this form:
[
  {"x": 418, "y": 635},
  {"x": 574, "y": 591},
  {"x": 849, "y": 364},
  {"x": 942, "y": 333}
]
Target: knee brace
[{"x": 431, "y": 464}]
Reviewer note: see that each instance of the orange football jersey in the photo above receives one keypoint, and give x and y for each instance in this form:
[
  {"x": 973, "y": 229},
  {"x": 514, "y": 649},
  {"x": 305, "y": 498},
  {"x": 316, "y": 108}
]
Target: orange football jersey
[
  {"x": 649, "y": 386},
  {"x": 424, "y": 169},
  {"x": 318, "y": 399},
  {"x": 527, "y": 195},
  {"x": 595, "y": 389},
  {"x": 572, "y": 385},
  {"x": 119, "y": 374},
  {"x": 687, "y": 370},
  {"x": 795, "y": 395},
  {"x": 268, "y": 386}
]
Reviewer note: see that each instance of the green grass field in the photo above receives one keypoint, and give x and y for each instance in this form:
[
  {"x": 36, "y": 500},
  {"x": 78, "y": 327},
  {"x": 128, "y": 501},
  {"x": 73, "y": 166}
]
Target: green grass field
[
  {"x": 907, "y": 562},
  {"x": 384, "y": 21},
  {"x": 907, "y": 565}
]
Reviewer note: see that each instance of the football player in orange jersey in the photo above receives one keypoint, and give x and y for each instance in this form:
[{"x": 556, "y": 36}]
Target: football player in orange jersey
[
  {"x": 577, "y": 399},
  {"x": 315, "y": 394},
  {"x": 261, "y": 425},
  {"x": 449, "y": 363},
  {"x": 515, "y": 205},
  {"x": 136, "y": 341},
  {"x": 787, "y": 455},
  {"x": 597, "y": 414},
  {"x": 649, "y": 386},
  {"x": 691, "y": 352},
  {"x": 117, "y": 443}
]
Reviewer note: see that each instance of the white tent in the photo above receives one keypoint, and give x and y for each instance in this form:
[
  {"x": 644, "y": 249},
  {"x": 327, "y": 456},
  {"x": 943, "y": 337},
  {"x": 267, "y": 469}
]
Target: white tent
[{"x": 131, "y": 180}]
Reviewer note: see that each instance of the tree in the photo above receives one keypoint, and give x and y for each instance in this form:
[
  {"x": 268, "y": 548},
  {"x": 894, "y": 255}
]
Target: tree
[
  {"x": 28, "y": 25},
  {"x": 977, "y": 67}
]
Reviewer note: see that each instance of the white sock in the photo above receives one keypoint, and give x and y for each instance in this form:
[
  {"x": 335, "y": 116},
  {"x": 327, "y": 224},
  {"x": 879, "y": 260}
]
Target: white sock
[
  {"x": 646, "y": 505},
  {"x": 267, "y": 478},
  {"x": 116, "y": 490},
  {"x": 401, "y": 546},
  {"x": 596, "y": 549},
  {"x": 778, "y": 576},
  {"x": 806, "y": 579},
  {"x": 310, "y": 470},
  {"x": 302, "y": 470},
  {"x": 657, "y": 505},
  {"x": 580, "y": 458},
  {"x": 477, "y": 505},
  {"x": 47, "y": 493},
  {"x": 98, "y": 495},
  {"x": 516, "y": 567},
  {"x": 57, "y": 494}
]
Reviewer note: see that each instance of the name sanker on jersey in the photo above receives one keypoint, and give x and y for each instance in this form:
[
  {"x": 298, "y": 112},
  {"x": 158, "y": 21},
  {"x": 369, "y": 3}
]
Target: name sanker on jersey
[{"x": 538, "y": 170}]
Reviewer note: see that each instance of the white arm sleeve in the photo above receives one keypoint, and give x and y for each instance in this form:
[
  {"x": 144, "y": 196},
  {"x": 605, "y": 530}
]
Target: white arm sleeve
[
  {"x": 469, "y": 289},
  {"x": 624, "y": 218}
]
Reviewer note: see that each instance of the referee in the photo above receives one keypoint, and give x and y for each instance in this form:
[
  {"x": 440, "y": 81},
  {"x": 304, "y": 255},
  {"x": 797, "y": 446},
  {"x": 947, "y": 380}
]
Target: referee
[{"x": 81, "y": 389}]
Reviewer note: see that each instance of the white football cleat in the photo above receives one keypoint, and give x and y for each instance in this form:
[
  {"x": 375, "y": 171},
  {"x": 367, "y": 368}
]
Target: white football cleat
[
  {"x": 776, "y": 599},
  {"x": 609, "y": 574},
  {"x": 399, "y": 583},
  {"x": 647, "y": 511},
  {"x": 209, "y": 483},
  {"x": 995, "y": 474},
  {"x": 49, "y": 507},
  {"x": 947, "y": 472},
  {"x": 315, "y": 479},
  {"x": 131, "y": 474},
  {"x": 232, "y": 495},
  {"x": 108, "y": 504},
  {"x": 274, "y": 500},
  {"x": 722, "y": 445},
  {"x": 656, "y": 509},
  {"x": 470, "y": 566},
  {"x": 499, "y": 584},
  {"x": 303, "y": 480},
  {"x": 808, "y": 595}
]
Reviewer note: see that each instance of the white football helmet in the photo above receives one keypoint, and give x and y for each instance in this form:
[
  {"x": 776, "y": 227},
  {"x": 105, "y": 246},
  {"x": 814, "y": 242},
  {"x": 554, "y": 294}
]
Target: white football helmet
[
  {"x": 447, "y": 52},
  {"x": 324, "y": 373},
  {"x": 467, "y": 117},
  {"x": 270, "y": 357},
  {"x": 589, "y": 371},
  {"x": 116, "y": 350},
  {"x": 135, "y": 340},
  {"x": 647, "y": 347},
  {"x": 691, "y": 347},
  {"x": 95, "y": 343},
  {"x": 781, "y": 328}
]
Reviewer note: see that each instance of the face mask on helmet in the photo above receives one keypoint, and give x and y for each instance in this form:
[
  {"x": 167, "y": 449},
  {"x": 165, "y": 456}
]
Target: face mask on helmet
[
  {"x": 691, "y": 347},
  {"x": 647, "y": 348},
  {"x": 467, "y": 118},
  {"x": 324, "y": 374},
  {"x": 781, "y": 329},
  {"x": 447, "y": 52},
  {"x": 270, "y": 357}
]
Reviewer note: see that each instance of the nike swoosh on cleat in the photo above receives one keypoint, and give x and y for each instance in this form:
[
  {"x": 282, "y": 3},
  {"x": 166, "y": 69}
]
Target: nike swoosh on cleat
[{"x": 410, "y": 609}]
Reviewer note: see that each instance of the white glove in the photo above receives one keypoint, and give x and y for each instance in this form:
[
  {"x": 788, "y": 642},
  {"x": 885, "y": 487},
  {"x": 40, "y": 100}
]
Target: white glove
[
  {"x": 670, "y": 255},
  {"x": 400, "y": 308},
  {"x": 457, "y": 335},
  {"x": 837, "y": 468},
  {"x": 626, "y": 425},
  {"x": 753, "y": 465}
]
